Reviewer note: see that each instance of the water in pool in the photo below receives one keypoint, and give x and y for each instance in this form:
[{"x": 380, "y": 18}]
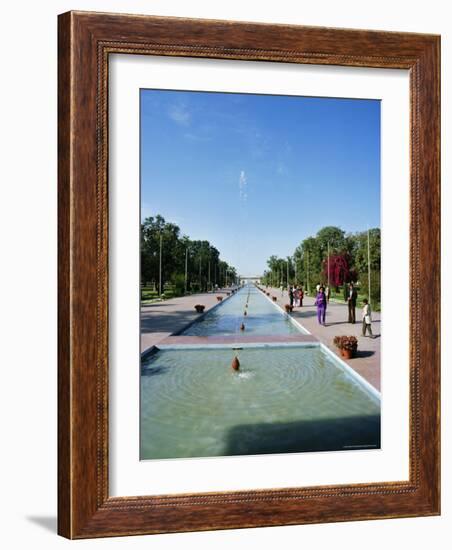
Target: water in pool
[
  {"x": 262, "y": 317},
  {"x": 282, "y": 400}
]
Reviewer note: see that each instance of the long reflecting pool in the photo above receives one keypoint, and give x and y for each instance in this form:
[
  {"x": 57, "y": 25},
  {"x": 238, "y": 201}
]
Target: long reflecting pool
[{"x": 263, "y": 317}]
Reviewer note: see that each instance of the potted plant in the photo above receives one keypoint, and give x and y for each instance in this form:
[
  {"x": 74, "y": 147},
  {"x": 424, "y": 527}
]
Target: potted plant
[
  {"x": 288, "y": 308},
  {"x": 274, "y": 298},
  {"x": 347, "y": 345},
  {"x": 200, "y": 308},
  {"x": 219, "y": 298}
]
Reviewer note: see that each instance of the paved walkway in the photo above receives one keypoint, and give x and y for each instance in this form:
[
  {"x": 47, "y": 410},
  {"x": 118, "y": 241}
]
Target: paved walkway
[
  {"x": 161, "y": 319},
  {"x": 367, "y": 360}
]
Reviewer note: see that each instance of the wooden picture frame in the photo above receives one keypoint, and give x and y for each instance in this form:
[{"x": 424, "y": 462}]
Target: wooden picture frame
[{"x": 86, "y": 40}]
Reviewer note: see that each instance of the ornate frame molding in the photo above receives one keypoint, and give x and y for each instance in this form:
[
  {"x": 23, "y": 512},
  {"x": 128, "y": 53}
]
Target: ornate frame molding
[{"x": 85, "y": 42}]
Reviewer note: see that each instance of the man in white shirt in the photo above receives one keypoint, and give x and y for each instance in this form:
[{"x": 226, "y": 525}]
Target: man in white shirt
[{"x": 367, "y": 318}]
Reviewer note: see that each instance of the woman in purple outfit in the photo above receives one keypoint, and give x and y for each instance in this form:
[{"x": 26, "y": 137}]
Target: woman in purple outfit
[{"x": 320, "y": 302}]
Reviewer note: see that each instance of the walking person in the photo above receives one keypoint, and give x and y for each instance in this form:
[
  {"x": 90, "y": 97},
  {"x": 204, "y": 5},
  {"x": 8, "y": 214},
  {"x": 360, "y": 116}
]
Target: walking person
[
  {"x": 291, "y": 296},
  {"x": 321, "y": 304},
  {"x": 301, "y": 294},
  {"x": 351, "y": 299},
  {"x": 296, "y": 296},
  {"x": 367, "y": 318},
  {"x": 282, "y": 290}
]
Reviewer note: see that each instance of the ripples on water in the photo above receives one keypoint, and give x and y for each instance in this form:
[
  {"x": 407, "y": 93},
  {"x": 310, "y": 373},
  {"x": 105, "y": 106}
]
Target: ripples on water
[{"x": 281, "y": 400}]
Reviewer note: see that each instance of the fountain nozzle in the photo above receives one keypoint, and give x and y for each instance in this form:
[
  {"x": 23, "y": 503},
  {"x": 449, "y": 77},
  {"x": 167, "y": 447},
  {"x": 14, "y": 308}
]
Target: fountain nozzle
[{"x": 235, "y": 364}]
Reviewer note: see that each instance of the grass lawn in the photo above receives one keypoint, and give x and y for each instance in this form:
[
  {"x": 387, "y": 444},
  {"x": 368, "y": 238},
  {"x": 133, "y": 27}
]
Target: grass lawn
[{"x": 150, "y": 295}]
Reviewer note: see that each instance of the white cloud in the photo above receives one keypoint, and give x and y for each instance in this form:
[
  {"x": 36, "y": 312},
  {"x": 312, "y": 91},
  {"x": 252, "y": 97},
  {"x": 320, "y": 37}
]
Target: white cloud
[{"x": 180, "y": 114}]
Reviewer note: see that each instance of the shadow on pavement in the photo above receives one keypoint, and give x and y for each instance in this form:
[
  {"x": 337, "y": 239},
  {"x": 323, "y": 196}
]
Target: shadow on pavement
[
  {"x": 166, "y": 322},
  {"x": 305, "y": 313},
  {"x": 362, "y": 354}
]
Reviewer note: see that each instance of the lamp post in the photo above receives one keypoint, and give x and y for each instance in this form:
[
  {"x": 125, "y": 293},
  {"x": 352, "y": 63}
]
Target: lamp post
[
  {"x": 186, "y": 268},
  {"x": 328, "y": 263},
  {"x": 368, "y": 262},
  {"x": 160, "y": 266},
  {"x": 208, "y": 276}
]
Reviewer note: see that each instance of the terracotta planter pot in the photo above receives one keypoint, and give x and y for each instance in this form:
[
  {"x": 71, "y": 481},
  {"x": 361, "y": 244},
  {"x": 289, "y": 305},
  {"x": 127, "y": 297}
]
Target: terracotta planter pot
[
  {"x": 347, "y": 353},
  {"x": 288, "y": 308},
  {"x": 219, "y": 298},
  {"x": 274, "y": 298},
  {"x": 200, "y": 308}
]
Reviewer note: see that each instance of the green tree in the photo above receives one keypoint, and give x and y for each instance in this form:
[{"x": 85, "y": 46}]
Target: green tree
[
  {"x": 156, "y": 235},
  {"x": 310, "y": 259},
  {"x": 184, "y": 262},
  {"x": 361, "y": 260},
  {"x": 362, "y": 263},
  {"x": 274, "y": 265},
  {"x": 332, "y": 235}
]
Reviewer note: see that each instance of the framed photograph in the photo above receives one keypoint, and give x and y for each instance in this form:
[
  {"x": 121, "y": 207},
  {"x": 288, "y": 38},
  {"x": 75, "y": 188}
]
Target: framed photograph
[{"x": 249, "y": 328}]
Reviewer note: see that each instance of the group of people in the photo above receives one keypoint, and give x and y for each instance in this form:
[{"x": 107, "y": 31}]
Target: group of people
[
  {"x": 296, "y": 296},
  {"x": 351, "y": 296}
]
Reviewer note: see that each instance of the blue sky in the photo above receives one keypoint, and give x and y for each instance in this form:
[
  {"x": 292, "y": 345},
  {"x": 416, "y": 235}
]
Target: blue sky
[{"x": 256, "y": 174}]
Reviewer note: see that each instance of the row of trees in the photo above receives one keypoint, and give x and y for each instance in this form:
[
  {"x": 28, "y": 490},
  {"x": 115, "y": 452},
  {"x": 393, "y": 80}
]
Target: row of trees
[
  {"x": 331, "y": 255},
  {"x": 169, "y": 257}
]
